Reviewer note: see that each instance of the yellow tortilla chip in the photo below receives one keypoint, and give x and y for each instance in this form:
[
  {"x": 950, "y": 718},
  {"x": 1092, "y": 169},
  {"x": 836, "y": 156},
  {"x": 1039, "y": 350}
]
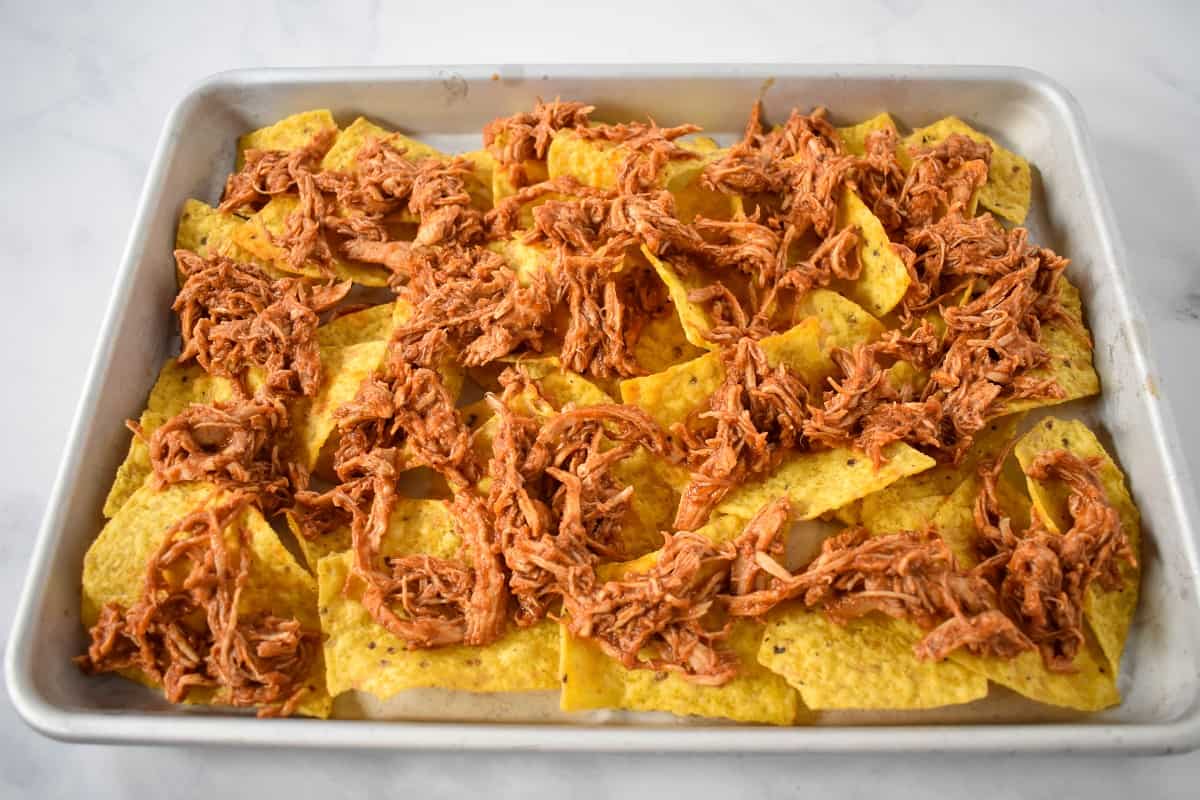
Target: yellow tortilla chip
[
  {"x": 208, "y": 232},
  {"x": 256, "y": 237},
  {"x": 178, "y": 386},
  {"x": 480, "y": 188},
  {"x": 362, "y": 655},
  {"x": 911, "y": 503},
  {"x": 343, "y": 369},
  {"x": 663, "y": 343},
  {"x": 824, "y": 480},
  {"x": 561, "y": 386},
  {"x": 342, "y": 156},
  {"x": 854, "y": 137},
  {"x": 115, "y": 564},
  {"x": 655, "y": 498},
  {"x": 673, "y": 394},
  {"x": 865, "y": 664},
  {"x": 696, "y": 321},
  {"x": 884, "y": 278},
  {"x": 825, "y": 320},
  {"x": 1090, "y": 688},
  {"x": 1010, "y": 180},
  {"x": 591, "y": 679},
  {"x": 682, "y": 179},
  {"x": 1070, "y": 355},
  {"x": 843, "y": 323},
  {"x": 591, "y": 163},
  {"x": 369, "y": 325},
  {"x": 290, "y": 133},
  {"x": 503, "y": 186},
  {"x": 1109, "y": 613},
  {"x": 595, "y": 163}
]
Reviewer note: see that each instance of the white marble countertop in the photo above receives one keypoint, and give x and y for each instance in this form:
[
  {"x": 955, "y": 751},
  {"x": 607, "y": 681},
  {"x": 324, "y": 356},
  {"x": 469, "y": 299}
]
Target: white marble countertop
[{"x": 85, "y": 92}]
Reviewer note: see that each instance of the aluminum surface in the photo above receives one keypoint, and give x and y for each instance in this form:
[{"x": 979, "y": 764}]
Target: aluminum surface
[{"x": 1024, "y": 110}]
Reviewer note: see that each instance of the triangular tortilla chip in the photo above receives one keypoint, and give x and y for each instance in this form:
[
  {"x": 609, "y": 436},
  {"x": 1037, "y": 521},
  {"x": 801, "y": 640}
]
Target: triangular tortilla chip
[
  {"x": 270, "y": 221},
  {"x": 208, "y": 232},
  {"x": 1070, "y": 355},
  {"x": 591, "y": 679},
  {"x": 1010, "y": 180},
  {"x": 177, "y": 387},
  {"x": 1090, "y": 688},
  {"x": 115, "y": 564},
  {"x": 910, "y": 503},
  {"x": 362, "y": 655},
  {"x": 290, "y": 133},
  {"x": 369, "y": 325},
  {"x": 884, "y": 278},
  {"x": 1109, "y": 613},
  {"x": 824, "y": 480},
  {"x": 854, "y": 137},
  {"x": 865, "y": 664},
  {"x": 826, "y": 321},
  {"x": 343, "y": 369}
]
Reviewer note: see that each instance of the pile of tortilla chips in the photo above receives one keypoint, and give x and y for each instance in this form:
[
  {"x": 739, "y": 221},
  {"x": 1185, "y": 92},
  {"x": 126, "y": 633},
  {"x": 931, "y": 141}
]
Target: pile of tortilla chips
[{"x": 794, "y": 662}]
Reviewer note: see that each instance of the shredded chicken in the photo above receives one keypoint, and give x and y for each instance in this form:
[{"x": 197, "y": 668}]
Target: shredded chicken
[
  {"x": 662, "y": 619},
  {"x": 470, "y": 300},
  {"x": 233, "y": 444},
  {"x": 558, "y": 509},
  {"x": 753, "y": 419},
  {"x": 267, "y": 173},
  {"x": 526, "y": 136},
  {"x": 901, "y": 575},
  {"x": 189, "y": 629},
  {"x": 233, "y": 317},
  {"x": 1042, "y": 577},
  {"x": 647, "y": 147}
]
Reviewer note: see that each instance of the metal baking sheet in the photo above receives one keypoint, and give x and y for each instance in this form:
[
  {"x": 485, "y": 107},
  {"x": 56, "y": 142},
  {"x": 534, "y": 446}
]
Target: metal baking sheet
[{"x": 1028, "y": 112}]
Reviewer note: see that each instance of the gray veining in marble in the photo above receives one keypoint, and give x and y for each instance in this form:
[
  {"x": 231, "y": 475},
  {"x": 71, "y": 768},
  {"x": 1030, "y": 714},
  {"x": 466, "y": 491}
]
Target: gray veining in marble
[{"x": 87, "y": 86}]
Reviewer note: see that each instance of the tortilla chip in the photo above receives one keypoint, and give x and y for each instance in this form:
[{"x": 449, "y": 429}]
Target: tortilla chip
[
  {"x": 682, "y": 179},
  {"x": 884, "y": 278},
  {"x": 911, "y": 503},
  {"x": 290, "y": 133},
  {"x": 591, "y": 163},
  {"x": 591, "y": 679},
  {"x": 114, "y": 570},
  {"x": 503, "y": 186},
  {"x": 1070, "y": 355},
  {"x": 825, "y": 320},
  {"x": 369, "y": 325},
  {"x": 854, "y": 137},
  {"x": 1090, "y": 688},
  {"x": 362, "y": 655},
  {"x": 342, "y": 156},
  {"x": 177, "y": 387},
  {"x": 595, "y": 163},
  {"x": 208, "y": 232},
  {"x": 1010, "y": 180},
  {"x": 844, "y": 324},
  {"x": 663, "y": 343},
  {"x": 673, "y": 394},
  {"x": 655, "y": 498},
  {"x": 256, "y": 238},
  {"x": 561, "y": 386},
  {"x": 1109, "y": 613},
  {"x": 824, "y": 480},
  {"x": 693, "y": 317},
  {"x": 343, "y": 369},
  {"x": 480, "y": 189},
  {"x": 865, "y": 664}
]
